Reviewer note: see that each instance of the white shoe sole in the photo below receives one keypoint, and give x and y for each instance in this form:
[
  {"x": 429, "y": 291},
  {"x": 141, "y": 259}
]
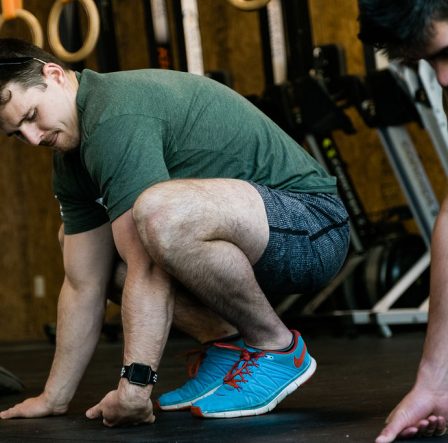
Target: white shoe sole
[
  {"x": 187, "y": 404},
  {"x": 262, "y": 409}
]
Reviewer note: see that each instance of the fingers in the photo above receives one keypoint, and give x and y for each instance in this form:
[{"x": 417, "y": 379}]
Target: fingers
[
  {"x": 32, "y": 408},
  {"x": 9, "y": 413},
  {"x": 111, "y": 423},
  {"x": 150, "y": 419},
  {"x": 397, "y": 423},
  {"x": 441, "y": 427},
  {"x": 94, "y": 412},
  {"x": 114, "y": 420},
  {"x": 428, "y": 427},
  {"x": 16, "y": 411},
  {"x": 433, "y": 426},
  {"x": 97, "y": 412},
  {"x": 409, "y": 432},
  {"x": 440, "y": 432},
  {"x": 385, "y": 437},
  {"x": 108, "y": 423}
]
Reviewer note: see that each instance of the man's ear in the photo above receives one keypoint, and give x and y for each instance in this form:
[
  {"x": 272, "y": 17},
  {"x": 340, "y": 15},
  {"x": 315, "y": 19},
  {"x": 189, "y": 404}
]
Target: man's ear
[{"x": 54, "y": 72}]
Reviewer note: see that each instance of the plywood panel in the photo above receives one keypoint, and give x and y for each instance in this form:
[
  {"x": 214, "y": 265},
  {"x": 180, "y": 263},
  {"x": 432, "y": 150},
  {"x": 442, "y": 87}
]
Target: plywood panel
[
  {"x": 231, "y": 42},
  {"x": 131, "y": 34},
  {"x": 28, "y": 224}
]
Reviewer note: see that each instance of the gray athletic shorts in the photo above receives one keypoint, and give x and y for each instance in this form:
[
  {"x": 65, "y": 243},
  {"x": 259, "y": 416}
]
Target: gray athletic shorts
[{"x": 308, "y": 241}]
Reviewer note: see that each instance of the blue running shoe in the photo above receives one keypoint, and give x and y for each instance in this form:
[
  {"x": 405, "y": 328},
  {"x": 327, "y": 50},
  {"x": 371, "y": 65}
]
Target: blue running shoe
[
  {"x": 208, "y": 375},
  {"x": 258, "y": 382}
]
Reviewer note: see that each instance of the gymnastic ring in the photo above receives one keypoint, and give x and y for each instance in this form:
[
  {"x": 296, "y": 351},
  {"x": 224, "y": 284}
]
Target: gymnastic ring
[
  {"x": 93, "y": 31},
  {"x": 32, "y": 22},
  {"x": 249, "y": 5}
]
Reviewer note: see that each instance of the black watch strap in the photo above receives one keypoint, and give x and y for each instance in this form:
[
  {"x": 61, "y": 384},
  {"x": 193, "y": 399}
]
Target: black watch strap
[{"x": 139, "y": 374}]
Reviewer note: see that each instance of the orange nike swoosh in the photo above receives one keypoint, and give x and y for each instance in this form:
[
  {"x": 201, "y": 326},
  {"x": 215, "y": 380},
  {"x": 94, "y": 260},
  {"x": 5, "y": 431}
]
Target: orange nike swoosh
[{"x": 298, "y": 361}]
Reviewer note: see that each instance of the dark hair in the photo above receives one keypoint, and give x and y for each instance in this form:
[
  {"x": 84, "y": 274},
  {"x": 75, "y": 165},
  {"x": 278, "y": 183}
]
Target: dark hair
[
  {"x": 401, "y": 28},
  {"x": 25, "y": 74}
]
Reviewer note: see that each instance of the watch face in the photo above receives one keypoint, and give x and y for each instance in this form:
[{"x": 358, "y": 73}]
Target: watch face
[{"x": 139, "y": 374}]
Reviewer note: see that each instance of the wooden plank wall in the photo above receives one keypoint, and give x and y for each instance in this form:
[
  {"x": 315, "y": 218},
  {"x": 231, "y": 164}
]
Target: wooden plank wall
[
  {"x": 29, "y": 221},
  {"x": 29, "y": 217}
]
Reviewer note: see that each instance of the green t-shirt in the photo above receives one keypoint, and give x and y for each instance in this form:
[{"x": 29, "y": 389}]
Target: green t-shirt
[{"x": 142, "y": 127}]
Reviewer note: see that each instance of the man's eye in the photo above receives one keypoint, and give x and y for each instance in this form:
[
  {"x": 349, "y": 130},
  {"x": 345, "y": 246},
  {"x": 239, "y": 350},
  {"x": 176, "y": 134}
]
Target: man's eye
[
  {"x": 31, "y": 117},
  {"x": 441, "y": 55}
]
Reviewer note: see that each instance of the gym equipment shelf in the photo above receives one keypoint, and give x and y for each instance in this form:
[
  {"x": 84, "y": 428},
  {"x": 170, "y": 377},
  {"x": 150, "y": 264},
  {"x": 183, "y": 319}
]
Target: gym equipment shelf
[{"x": 310, "y": 113}]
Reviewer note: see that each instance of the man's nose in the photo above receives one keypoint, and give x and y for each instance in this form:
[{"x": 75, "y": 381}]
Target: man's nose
[
  {"x": 441, "y": 69},
  {"x": 31, "y": 134}
]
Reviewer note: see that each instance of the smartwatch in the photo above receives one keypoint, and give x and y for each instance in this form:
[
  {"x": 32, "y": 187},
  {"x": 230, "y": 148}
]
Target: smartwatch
[{"x": 139, "y": 374}]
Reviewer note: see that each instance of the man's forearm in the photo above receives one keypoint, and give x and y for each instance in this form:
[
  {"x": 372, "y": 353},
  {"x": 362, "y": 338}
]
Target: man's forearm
[
  {"x": 434, "y": 364},
  {"x": 79, "y": 322},
  {"x": 147, "y": 310}
]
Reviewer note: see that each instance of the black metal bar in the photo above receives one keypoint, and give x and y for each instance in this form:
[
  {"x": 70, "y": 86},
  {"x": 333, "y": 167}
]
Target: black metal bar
[
  {"x": 299, "y": 37},
  {"x": 180, "y": 37},
  {"x": 107, "y": 51},
  {"x": 150, "y": 35},
  {"x": 70, "y": 31}
]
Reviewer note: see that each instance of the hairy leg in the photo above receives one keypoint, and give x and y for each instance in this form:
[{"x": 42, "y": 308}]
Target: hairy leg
[
  {"x": 190, "y": 316},
  {"x": 208, "y": 234}
]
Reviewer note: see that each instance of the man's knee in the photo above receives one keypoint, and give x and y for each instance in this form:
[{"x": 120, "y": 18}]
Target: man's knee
[
  {"x": 158, "y": 214},
  {"x": 148, "y": 205}
]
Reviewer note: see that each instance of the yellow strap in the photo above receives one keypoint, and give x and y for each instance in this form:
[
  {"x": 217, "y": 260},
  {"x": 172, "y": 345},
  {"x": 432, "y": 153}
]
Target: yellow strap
[{"x": 9, "y": 9}]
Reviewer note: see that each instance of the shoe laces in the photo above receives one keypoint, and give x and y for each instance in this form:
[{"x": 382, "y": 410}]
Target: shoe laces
[
  {"x": 195, "y": 357},
  {"x": 242, "y": 367}
]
